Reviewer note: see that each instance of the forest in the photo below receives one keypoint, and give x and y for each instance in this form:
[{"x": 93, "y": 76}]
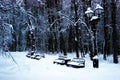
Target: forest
[{"x": 59, "y": 26}]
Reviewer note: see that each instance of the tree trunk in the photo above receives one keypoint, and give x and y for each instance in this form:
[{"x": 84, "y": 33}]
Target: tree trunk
[
  {"x": 76, "y": 28},
  {"x": 105, "y": 29},
  {"x": 114, "y": 34}
]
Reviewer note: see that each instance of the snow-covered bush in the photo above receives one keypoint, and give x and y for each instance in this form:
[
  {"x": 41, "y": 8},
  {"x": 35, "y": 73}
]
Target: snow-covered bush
[{"x": 6, "y": 37}]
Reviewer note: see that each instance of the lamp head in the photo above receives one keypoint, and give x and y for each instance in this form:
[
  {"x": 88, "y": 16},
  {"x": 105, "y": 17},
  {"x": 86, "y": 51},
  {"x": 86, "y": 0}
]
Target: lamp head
[{"x": 89, "y": 12}]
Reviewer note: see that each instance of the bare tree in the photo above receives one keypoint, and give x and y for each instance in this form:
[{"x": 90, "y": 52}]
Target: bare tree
[{"x": 114, "y": 34}]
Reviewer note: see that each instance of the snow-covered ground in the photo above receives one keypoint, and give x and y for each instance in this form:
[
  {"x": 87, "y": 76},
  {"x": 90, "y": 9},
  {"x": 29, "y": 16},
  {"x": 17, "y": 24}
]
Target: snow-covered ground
[{"x": 44, "y": 69}]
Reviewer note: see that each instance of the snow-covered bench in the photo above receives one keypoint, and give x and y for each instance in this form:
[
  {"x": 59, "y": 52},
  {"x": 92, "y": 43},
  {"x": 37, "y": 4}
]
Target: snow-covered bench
[
  {"x": 34, "y": 55},
  {"x": 61, "y": 60},
  {"x": 77, "y": 63}
]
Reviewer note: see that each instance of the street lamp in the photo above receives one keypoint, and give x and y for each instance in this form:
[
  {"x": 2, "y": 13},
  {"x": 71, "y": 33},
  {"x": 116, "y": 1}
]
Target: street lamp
[
  {"x": 94, "y": 16},
  {"x": 89, "y": 12},
  {"x": 98, "y": 10}
]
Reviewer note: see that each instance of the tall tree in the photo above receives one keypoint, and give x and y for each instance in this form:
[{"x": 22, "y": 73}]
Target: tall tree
[
  {"x": 71, "y": 40},
  {"x": 105, "y": 51},
  {"x": 62, "y": 44},
  {"x": 114, "y": 34},
  {"x": 75, "y": 6},
  {"x": 50, "y": 5}
]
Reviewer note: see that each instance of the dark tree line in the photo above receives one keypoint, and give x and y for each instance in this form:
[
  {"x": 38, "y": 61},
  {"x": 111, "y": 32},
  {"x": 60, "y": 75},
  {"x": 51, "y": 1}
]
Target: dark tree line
[{"x": 60, "y": 25}]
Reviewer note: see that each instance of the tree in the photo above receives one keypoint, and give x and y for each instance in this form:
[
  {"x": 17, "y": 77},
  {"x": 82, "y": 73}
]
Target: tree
[
  {"x": 62, "y": 44},
  {"x": 71, "y": 39},
  {"x": 74, "y": 2},
  {"x": 114, "y": 34},
  {"x": 106, "y": 47}
]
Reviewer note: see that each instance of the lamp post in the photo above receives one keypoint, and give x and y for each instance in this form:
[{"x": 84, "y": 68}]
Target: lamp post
[{"x": 94, "y": 16}]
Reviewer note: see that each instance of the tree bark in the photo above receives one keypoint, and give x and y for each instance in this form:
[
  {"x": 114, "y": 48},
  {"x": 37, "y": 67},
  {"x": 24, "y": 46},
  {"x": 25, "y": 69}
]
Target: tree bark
[
  {"x": 114, "y": 34},
  {"x": 105, "y": 29},
  {"x": 76, "y": 28}
]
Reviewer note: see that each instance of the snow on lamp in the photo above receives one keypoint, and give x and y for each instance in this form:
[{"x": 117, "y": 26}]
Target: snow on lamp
[
  {"x": 89, "y": 12},
  {"x": 98, "y": 9}
]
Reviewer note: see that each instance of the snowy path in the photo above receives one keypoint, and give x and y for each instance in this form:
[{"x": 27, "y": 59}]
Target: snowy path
[{"x": 44, "y": 69}]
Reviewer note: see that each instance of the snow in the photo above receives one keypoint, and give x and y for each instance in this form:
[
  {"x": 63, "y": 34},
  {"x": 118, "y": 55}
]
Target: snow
[
  {"x": 75, "y": 39},
  {"x": 19, "y": 2},
  {"x": 94, "y": 18},
  {"x": 99, "y": 7},
  {"x": 95, "y": 57},
  {"x": 44, "y": 69},
  {"x": 89, "y": 10},
  {"x": 73, "y": 63}
]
